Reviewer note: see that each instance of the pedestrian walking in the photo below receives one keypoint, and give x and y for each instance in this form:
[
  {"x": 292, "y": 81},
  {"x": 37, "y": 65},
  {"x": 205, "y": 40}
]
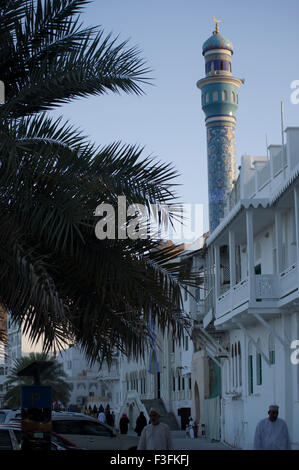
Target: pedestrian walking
[
  {"x": 109, "y": 419},
  {"x": 155, "y": 436},
  {"x": 272, "y": 433},
  {"x": 140, "y": 423},
  {"x": 95, "y": 411},
  {"x": 102, "y": 417},
  {"x": 124, "y": 424},
  {"x": 191, "y": 428}
]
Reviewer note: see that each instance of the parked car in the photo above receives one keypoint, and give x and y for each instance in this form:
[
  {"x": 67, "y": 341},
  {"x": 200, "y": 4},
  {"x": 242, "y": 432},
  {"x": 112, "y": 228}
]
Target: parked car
[
  {"x": 6, "y": 415},
  {"x": 89, "y": 433},
  {"x": 11, "y": 439}
]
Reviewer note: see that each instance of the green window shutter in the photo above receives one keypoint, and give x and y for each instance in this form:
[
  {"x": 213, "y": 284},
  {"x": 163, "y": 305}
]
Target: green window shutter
[
  {"x": 250, "y": 374},
  {"x": 272, "y": 357},
  {"x": 259, "y": 369}
]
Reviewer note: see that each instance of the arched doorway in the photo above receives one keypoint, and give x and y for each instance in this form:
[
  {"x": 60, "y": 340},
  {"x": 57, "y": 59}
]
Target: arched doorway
[{"x": 197, "y": 403}]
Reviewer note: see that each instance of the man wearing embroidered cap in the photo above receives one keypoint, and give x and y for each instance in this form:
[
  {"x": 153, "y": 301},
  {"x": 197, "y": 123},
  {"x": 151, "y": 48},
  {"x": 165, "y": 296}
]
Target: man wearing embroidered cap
[
  {"x": 272, "y": 433},
  {"x": 156, "y": 435}
]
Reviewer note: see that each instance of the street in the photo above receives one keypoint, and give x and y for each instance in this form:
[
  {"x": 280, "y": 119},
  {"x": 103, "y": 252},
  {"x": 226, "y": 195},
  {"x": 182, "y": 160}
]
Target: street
[
  {"x": 202, "y": 443},
  {"x": 180, "y": 442}
]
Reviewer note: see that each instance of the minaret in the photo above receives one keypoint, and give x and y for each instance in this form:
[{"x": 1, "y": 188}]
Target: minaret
[{"x": 219, "y": 93}]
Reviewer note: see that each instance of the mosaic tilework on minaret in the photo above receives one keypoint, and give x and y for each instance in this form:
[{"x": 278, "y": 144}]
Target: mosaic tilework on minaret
[{"x": 219, "y": 93}]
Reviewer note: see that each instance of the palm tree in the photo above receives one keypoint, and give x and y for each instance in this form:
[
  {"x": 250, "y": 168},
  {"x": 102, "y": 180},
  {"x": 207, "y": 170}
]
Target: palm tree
[
  {"x": 54, "y": 377},
  {"x": 57, "y": 279}
]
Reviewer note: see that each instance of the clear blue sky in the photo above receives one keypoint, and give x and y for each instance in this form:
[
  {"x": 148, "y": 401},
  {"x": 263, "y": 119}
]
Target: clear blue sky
[{"x": 168, "y": 120}]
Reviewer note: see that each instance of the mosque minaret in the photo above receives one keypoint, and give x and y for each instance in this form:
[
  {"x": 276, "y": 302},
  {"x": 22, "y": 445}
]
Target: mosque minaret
[{"x": 219, "y": 91}]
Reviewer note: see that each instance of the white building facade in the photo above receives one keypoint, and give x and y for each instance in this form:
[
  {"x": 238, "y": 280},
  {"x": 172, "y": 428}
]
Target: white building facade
[{"x": 251, "y": 302}]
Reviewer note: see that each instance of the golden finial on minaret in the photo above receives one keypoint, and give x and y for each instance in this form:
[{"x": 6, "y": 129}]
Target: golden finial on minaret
[{"x": 217, "y": 25}]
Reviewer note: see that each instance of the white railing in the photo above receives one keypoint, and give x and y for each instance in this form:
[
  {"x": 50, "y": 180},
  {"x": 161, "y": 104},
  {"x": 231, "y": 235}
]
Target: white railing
[
  {"x": 266, "y": 287},
  {"x": 224, "y": 303},
  {"x": 240, "y": 293},
  {"x": 288, "y": 280}
]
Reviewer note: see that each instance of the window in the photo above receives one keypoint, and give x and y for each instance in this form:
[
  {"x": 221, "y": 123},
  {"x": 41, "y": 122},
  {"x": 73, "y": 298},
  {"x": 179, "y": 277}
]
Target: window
[
  {"x": 186, "y": 344},
  {"x": 173, "y": 384},
  {"x": 236, "y": 366},
  {"x": 215, "y": 95},
  {"x": 232, "y": 365},
  {"x": 240, "y": 363},
  {"x": 259, "y": 378},
  {"x": 84, "y": 428},
  {"x": 224, "y": 95},
  {"x": 271, "y": 350},
  {"x": 233, "y": 97},
  {"x": 208, "y": 67},
  {"x": 207, "y": 97},
  {"x": 250, "y": 369},
  {"x": 183, "y": 383}
]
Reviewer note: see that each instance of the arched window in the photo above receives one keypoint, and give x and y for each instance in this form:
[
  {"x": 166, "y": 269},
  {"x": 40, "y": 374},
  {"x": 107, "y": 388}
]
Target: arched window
[
  {"x": 236, "y": 365},
  {"x": 227, "y": 383},
  {"x": 207, "y": 97},
  {"x": 232, "y": 366},
  {"x": 221, "y": 65},
  {"x": 233, "y": 96},
  {"x": 250, "y": 369},
  {"x": 215, "y": 95},
  {"x": 259, "y": 373},
  {"x": 224, "y": 95},
  {"x": 240, "y": 363},
  {"x": 271, "y": 350}
]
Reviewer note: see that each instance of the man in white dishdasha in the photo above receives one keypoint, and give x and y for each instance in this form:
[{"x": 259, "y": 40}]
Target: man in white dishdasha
[
  {"x": 272, "y": 433},
  {"x": 156, "y": 435}
]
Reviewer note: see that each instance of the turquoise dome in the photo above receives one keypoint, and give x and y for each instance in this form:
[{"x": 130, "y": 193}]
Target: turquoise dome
[{"x": 216, "y": 41}]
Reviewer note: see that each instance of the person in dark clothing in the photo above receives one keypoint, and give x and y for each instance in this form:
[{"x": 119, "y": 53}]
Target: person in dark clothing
[
  {"x": 123, "y": 424},
  {"x": 95, "y": 411},
  {"x": 109, "y": 418},
  {"x": 140, "y": 423}
]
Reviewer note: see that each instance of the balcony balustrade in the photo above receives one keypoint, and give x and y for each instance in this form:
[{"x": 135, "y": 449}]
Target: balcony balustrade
[{"x": 268, "y": 291}]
